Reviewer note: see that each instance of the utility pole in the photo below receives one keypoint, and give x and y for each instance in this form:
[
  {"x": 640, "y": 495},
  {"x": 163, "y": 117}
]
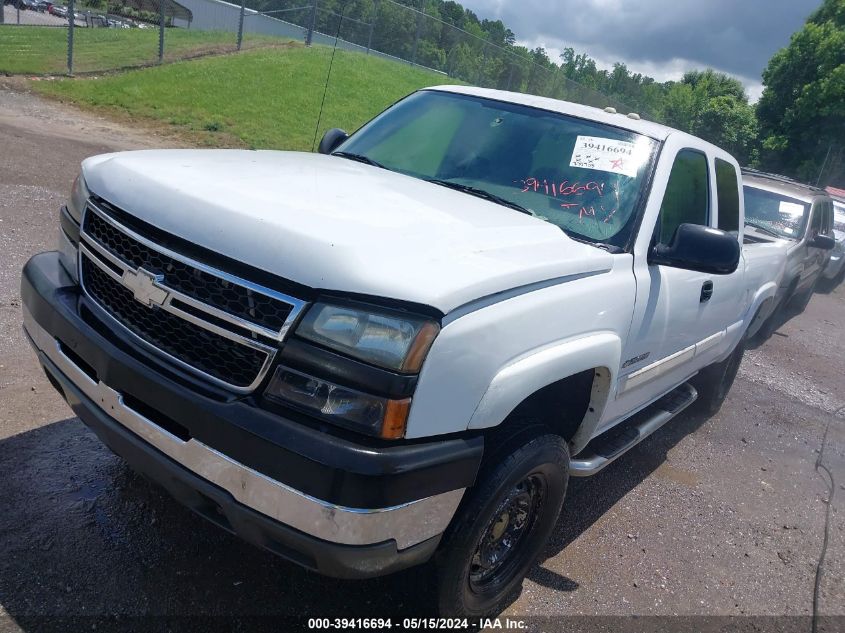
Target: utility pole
[
  {"x": 161, "y": 31},
  {"x": 420, "y": 16},
  {"x": 481, "y": 67},
  {"x": 312, "y": 24},
  {"x": 71, "y": 13},
  {"x": 824, "y": 164},
  {"x": 372, "y": 26},
  {"x": 241, "y": 24}
]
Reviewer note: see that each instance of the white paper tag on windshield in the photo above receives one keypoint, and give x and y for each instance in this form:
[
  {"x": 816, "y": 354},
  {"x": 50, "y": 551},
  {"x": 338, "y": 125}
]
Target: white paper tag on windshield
[
  {"x": 605, "y": 154},
  {"x": 790, "y": 208}
]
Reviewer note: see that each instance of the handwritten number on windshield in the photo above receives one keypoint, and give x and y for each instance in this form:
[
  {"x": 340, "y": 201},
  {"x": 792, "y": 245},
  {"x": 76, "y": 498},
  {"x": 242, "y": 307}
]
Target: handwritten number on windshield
[
  {"x": 587, "y": 197},
  {"x": 565, "y": 188}
]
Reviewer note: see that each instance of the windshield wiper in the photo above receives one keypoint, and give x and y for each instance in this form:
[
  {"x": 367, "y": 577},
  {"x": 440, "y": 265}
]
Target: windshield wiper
[
  {"x": 480, "y": 193},
  {"x": 765, "y": 229},
  {"x": 360, "y": 158},
  {"x": 610, "y": 248}
]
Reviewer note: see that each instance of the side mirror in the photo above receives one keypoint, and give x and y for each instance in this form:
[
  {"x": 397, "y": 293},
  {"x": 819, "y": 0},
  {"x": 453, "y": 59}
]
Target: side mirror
[
  {"x": 825, "y": 242},
  {"x": 699, "y": 248},
  {"x": 331, "y": 140}
]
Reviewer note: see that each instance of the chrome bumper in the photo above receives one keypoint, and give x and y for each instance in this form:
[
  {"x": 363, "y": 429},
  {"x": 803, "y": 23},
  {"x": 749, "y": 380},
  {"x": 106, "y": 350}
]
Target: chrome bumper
[{"x": 408, "y": 523}]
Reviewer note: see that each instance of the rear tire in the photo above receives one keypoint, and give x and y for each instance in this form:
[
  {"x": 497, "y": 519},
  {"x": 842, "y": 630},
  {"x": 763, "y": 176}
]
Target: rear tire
[
  {"x": 501, "y": 528},
  {"x": 714, "y": 382}
]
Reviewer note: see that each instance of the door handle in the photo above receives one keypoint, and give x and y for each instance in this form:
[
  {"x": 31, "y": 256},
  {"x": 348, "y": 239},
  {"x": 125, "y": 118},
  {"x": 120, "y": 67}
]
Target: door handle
[{"x": 706, "y": 291}]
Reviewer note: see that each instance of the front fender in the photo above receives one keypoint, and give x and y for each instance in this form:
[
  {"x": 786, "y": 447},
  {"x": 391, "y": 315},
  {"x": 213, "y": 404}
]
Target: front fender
[{"x": 541, "y": 367}]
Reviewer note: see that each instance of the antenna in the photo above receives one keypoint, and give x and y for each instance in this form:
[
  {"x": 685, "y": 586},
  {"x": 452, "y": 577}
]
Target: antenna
[{"x": 328, "y": 75}]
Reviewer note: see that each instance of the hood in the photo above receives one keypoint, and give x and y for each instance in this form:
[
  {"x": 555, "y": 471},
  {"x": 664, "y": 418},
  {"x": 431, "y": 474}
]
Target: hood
[{"x": 335, "y": 224}]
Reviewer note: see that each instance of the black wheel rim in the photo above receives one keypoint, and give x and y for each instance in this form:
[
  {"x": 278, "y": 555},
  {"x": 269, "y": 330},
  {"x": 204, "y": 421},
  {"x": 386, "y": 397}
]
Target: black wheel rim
[{"x": 500, "y": 550}]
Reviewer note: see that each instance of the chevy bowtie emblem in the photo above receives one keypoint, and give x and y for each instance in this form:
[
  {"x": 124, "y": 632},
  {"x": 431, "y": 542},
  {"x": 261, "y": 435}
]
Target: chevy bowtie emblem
[{"x": 142, "y": 283}]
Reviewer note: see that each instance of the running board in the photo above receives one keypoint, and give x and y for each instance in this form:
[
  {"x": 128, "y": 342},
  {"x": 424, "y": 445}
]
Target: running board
[{"x": 617, "y": 441}]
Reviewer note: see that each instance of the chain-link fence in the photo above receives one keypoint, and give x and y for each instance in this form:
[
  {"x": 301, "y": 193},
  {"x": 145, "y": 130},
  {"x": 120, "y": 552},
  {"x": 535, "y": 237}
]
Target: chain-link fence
[
  {"x": 409, "y": 34},
  {"x": 84, "y": 36},
  {"x": 38, "y": 37}
]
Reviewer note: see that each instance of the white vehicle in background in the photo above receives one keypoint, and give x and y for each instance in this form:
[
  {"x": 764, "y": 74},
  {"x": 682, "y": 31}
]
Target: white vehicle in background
[
  {"x": 401, "y": 348},
  {"x": 779, "y": 209},
  {"x": 835, "y": 269}
]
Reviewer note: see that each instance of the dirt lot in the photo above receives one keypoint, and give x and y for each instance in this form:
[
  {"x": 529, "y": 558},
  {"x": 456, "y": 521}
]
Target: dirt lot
[{"x": 709, "y": 517}]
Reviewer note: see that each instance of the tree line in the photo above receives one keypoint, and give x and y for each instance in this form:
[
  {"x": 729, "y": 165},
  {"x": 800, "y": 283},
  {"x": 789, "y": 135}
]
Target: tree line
[{"x": 797, "y": 128}]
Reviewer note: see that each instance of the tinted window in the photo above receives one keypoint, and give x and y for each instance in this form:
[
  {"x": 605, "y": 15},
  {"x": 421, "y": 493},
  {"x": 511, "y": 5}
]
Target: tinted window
[
  {"x": 686, "y": 199},
  {"x": 583, "y": 176},
  {"x": 818, "y": 214},
  {"x": 727, "y": 191},
  {"x": 775, "y": 214}
]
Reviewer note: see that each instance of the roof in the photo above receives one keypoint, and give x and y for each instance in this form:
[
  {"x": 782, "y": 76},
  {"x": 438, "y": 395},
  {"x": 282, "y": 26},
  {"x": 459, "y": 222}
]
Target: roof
[
  {"x": 172, "y": 9},
  {"x": 836, "y": 193},
  {"x": 620, "y": 120},
  {"x": 781, "y": 184}
]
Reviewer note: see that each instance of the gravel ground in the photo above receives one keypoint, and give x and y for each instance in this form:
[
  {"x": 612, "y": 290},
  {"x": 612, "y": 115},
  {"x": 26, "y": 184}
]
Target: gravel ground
[{"x": 708, "y": 517}]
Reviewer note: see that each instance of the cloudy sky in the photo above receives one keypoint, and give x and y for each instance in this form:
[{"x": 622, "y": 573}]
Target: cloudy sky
[{"x": 659, "y": 38}]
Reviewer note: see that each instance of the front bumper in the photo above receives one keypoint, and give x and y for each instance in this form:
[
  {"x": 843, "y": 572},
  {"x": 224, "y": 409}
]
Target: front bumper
[{"x": 116, "y": 395}]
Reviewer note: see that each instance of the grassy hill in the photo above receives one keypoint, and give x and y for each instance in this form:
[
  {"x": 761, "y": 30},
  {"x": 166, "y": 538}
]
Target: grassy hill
[{"x": 265, "y": 98}]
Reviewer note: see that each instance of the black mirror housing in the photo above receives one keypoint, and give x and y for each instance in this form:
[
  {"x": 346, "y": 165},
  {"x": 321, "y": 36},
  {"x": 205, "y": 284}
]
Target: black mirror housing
[
  {"x": 825, "y": 242},
  {"x": 700, "y": 248},
  {"x": 331, "y": 140}
]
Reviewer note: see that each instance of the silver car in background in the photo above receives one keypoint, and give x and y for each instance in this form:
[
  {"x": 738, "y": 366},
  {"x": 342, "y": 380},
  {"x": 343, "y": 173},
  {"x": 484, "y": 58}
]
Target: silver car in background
[{"x": 778, "y": 208}]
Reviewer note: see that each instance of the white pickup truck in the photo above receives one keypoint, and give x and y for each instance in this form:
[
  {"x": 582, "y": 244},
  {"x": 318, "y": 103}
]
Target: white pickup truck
[{"x": 400, "y": 348}]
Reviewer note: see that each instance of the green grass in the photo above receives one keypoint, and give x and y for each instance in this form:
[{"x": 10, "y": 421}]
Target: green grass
[
  {"x": 42, "y": 50},
  {"x": 265, "y": 98}
]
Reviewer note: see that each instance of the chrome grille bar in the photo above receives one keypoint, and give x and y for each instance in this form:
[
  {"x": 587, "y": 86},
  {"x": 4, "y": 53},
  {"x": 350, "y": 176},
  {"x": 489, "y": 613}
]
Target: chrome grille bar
[
  {"x": 297, "y": 305},
  {"x": 156, "y": 291}
]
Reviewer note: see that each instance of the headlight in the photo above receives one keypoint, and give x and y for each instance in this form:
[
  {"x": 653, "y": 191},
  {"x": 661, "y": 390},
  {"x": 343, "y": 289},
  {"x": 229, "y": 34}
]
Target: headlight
[
  {"x": 392, "y": 340},
  {"x": 343, "y": 406},
  {"x": 78, "y": 197}
]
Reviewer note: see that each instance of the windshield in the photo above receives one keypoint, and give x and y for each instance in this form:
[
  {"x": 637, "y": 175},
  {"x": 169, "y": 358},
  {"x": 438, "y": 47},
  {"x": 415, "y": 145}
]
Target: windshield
[
  {"x": 583, "y": 176},
  {"x": 775, "y": 213}
]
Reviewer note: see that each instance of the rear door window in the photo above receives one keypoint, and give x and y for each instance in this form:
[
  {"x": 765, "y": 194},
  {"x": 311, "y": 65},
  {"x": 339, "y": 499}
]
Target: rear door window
[{"x": 727, "y": 192}]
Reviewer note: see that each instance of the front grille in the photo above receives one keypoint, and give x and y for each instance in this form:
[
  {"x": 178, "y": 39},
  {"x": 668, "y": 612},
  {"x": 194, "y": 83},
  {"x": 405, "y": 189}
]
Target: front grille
[
  {"x": 222, "y": 294},
  {"x": 210, "y": 353}
]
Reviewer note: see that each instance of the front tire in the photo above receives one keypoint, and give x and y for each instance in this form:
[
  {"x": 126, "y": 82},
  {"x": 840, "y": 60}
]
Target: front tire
[
  {"x": 714, "y": 381},
  {"x": 502, "y": 528}
]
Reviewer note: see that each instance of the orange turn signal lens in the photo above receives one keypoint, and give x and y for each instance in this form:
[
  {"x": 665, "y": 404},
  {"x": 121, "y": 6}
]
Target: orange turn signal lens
[
  {"x": 419, "y": 348},
  {"x": 395, "y": 419}
]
